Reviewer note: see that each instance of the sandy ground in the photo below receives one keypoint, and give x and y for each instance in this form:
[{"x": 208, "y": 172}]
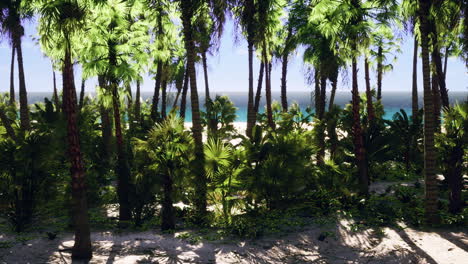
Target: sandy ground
[{"x": 341, "y": 246}]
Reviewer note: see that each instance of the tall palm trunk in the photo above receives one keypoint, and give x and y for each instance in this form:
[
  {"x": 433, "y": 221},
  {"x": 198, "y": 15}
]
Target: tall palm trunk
[
  {"x": 414, "y": 98},
  {"x": 359, "y": 151},
  {"x": 164, "y": 99},
  {"x": 320, "y": 125},
  {"x": 429, "y": 149},
  {"x": 82, "y": 247},
  {"x": 200, "y": 177},
  {"x": 106, "y": 126},
  {"x": 179, "y": 83},
  {"x": 446, "y": 62},
  {"x": 437, "y": 61},
  {"x": 317, "y": 91},
  {"x": 251, "y": 115},
  {"x": 183, "y": 100},
  {"x": 12, "y": 77},
  {"x": 436, "y": 99},
  {"x": 23, "y": 96},
  {"x": 379, "y": 72},
  {"x": 167, "y": 210},
  {"x": 284, "y": 72},
  {"x": 56, "y": 98},
  {"x": 157, "y": 87},
  {"x": 137, "y": 110},
  {"x": 205, "y": 74},
  {"x": 370, "y": 105},
  {"x": 123, "y": 170},
  {"x": 258, "y": 94},
  {"x": 334, "y": 83},
  {"x": 268, "y": 87},
  {"x": 82, "y": 92}
]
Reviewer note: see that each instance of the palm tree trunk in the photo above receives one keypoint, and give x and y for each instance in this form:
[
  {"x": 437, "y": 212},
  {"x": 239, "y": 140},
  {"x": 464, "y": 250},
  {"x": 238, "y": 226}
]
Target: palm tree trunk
[
  {"x": 198, "y": 167},
  {"x": 454, "y": 175},
  {"x": 370, "y": 105},
  {"x": 334, "y": 82},
  {"x": 82, "y": 92},
  {"x": 157, "y": 87},
  {"x": 317, "y": 91},
  {"x": 164, "y": 99},
  {"x": 414, "y": 104},
  {"x": 82, "y": 247},
  {"x": 106, "y": 127},
  {"x": 429, "y": 122},
  {"x": 379, "y": 72},
  {"x": 12, "y": 77},
  {"x": 359, "y": 151},
  {"x": 436, "y": 98},
  {"x": 205, "y": 74},
  {"x": 268, "y": 88},
  {"x": 251, "y": 115},
  {"x": 258, "y": 94},
  {"x": 56, "y": 98},
  {"x": 445, "y": 62},
  {"x": 183, "y": 101},
  {"x": 284, "y": 71},
  {"x": 23, "y": 96},
  {"x": 437, "y": 61},
  {"x": 137, "y": 110},
  {"x": 320, "y": 124},
  {"x": 167, "y": 210}
]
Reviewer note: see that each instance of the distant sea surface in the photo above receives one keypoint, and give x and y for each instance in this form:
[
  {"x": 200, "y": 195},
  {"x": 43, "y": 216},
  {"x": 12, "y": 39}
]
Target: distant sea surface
[{"x": 392, "y": 101}]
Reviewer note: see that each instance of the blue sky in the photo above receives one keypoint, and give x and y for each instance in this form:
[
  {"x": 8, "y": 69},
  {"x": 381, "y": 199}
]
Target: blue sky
[{"x": 228, "y": 69}]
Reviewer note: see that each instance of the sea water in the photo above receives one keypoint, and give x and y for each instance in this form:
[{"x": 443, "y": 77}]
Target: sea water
[{"x": 392, "y": 101}]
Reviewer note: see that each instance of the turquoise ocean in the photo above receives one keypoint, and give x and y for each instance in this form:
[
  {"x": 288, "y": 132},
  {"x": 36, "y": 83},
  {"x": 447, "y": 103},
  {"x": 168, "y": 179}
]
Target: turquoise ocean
[{"x": 392, "y": 101}]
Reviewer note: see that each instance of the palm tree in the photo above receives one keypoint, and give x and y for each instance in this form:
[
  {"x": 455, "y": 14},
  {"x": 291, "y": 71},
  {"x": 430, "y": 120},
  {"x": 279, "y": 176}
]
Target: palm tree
[
  {"x": 61, "y": 22},
  {"x": 188, "y": 9},
  {"x": 13, "y": 11},
  {"x": 429, "y": 122}
]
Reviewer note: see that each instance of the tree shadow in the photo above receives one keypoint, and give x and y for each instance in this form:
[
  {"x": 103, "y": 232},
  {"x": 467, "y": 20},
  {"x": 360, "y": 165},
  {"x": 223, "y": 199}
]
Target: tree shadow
[
  {"x": 404, "y": 236},
  {"x": 453, "y": 239}
]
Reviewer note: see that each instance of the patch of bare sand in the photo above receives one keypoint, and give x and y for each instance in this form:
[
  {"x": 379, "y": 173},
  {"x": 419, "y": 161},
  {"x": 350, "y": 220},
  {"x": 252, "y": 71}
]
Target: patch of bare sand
[{"x": 340, "y": 246}]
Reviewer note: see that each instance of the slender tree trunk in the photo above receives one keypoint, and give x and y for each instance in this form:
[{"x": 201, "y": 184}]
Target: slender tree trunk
[
  {"x": 284, "y": 72},
  {"x": 334, "y": 82},
  {"x": 429, "y": 126},
  {"x": 454, "y": 175},
  {"x": 251, "y": 115},
  {"x": 23, "y": 96},
  {"x": 445, "y": 62},
  {"x": 164, "y": 99},
  {"x": 56, "y": 97},
  {"x": 359, "y": 151},
  {"x": 415, "y": 106},
  {"x": 106, "y": 126},
  {"x": 205, "y": 74},
  {"x": 370, "y": 105},
  {"x": 12, "y": 77},
  {"x": 198, "y": 166},
  {"x": 320, "y": 124},
  {"x": 82, "y": 247},
  {"x": 137, "y": 111},
  {"x": 157, "y": 87},
  {"x": 268, "y": 88},
  {"x": 7, "y": 124},
  {"x": 258, "y": 94},
  {"x": 437, "y": 61},
  {"x": 179, "y": 84},
  {"x": 317, "y": 91},
  {"x": 436, "y": 98},
  {"x": 167, "y": 210},
  {"x": 82, "y": 92},
  {"x": 379, "y": 73},
  {"x": 183, "y": 101}
]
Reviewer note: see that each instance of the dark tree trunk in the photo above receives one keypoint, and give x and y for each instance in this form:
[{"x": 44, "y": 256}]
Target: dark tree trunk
[
  {"x": 379, "y": 73},
  {"x": 437, "y": 61},
  {"x": 157, "y": 87},
  {"x": 258, "y": 94},
  {"x": 429, "y": 122},
  {"x": 183, "y": 101},
  {"x": 167, "y": 210},
  {"x": 370, "y": 105},
  {"x": 268, "y": 88},
  {"x": 12, "y": 77},
  {"x": 320, "y": 124},
  {"x": 284, "y": 72},
  {"x": 123, "y": 169},
  {"x": 179, "y": 84},
  {"x": 317, "y": 91},
  {"x": 82, "y": 92},
  {"x": 437, "y": 99},
  {"x": 23, "y": 96},
  {"x": 137, "y": 111},
  {"x": 56, "y": 97},
  {"x": 251, "y": 115},
  {"x": 359, "y": 151},
  {"x": 454, "y": 175},
  {"x": 198, "y": 165},
  {"x": 164, "y": 99},
  {"x": 334, "y": 83},
  {"x": 205, "y": 74},
  {"x": 414, "y": 98},
  {"x": 445, "y": 63},
  {"x": 82, "y": 247}
]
